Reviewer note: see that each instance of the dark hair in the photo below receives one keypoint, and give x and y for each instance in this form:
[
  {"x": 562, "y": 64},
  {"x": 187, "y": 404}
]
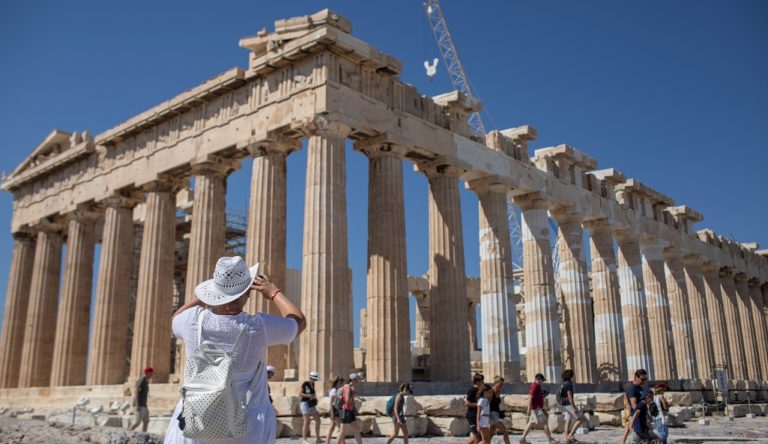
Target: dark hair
[
  {"x": 337, "y": 381},
  {"x": 640, "y": 373},
  {"x": 478, "y": 377},
  {"x": 498, "y": 378},
  {"x": 567, "y": 375},
  {"x": 406, "y": 387}
]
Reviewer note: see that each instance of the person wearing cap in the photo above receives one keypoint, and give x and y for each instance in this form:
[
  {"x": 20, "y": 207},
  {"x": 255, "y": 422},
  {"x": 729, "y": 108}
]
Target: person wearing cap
[
  {"x": 332, "y": 412},
  {"x": 140, "y": 399},
  {"x": 348, "y": 417},
  {"x": 308, "y": 407},
  {"x": 270, "y": 374},
  {"x": 215, "y": 315},
  {"x": 640, "y": 424},
  {"x": 536, "y": 416}
]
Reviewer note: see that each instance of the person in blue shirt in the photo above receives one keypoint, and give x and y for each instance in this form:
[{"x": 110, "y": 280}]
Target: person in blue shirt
[{"x": 641, "y": 421}]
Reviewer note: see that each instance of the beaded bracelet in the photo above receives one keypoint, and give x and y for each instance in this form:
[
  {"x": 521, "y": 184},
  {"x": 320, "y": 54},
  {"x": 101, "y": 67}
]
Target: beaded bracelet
[{"x": 274, "y": 294}]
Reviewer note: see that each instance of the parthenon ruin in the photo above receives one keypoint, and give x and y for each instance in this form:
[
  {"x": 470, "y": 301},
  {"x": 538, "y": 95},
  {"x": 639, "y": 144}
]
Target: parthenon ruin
[{"x": 657, "y": 294}]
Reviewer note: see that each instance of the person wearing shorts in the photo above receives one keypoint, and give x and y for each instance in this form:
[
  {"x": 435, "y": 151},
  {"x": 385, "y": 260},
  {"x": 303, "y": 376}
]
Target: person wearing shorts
[
  {"x": 140, "y": 399},
  {"x": 332, "y": 412},
  {"x": 308, "y": 407},
  {"x": 348, "y": 417},
  {"x": 572, "y": 415},
  {"x": 497, "y": 415},
  {"x": 537, "y": 418},
  {"x": 478, "y": 383}
]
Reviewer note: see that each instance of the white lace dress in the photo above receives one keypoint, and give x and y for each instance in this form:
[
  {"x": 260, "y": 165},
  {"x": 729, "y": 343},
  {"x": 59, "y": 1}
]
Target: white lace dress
[{"x": 264, "y": 330}]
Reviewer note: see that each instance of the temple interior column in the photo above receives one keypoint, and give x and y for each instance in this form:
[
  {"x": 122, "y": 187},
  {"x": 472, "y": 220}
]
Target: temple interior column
[
  {"x": 748, "y": 329},
  {"x": 113, "y": 287},
  {"x": 680, "y": 315},
  {"x": 388, "y": 333},
  {"x": 577, "y": 308},
  {"x": 36, "y": 355},
  {"x": 16, "y": 303},
  {"x": 700, "y": 326},
  {"x": 738, "y": 369},
  {"x": 657, "y": 302},
  {"x": 721, "y": 354},
  {"x": 610, "y": 354},
  {"x": 326, "y": 299},
  {"x": 634, "y": 312},
  {"x": 761, "y": 333},
  {"x": 542, "y": 330},
  {"x": 423, "y": 321},
  {"x": 154, "y": 294},
  {"x": 71, "y": 344}
]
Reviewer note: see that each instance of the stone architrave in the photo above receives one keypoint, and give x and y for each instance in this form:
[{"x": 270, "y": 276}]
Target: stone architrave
[
  {"x": 610, "y": 353},
  {"x": 326, "y": 299},
  {"x": 573, "y": 278},
  {"x": 634, "y": 312},
  {"x": 449, "y": 354},
  {"x": 71, "y": 344},
  {"x": 680, "y": 315},
  {"x": 110, "y": 320},
  {"x": 388, "y": 333},
  {"x": 36, "y": 355},
  {"x": 721, "y": 355},
  {"x": 700, "y": 325},
  {"x": 501, "y": 350},
  {"x": 657, "y": 302},
  {"x": 757, "y": 309},
  {"x": 154, "y": 295},
  {"x": 16, "y": 303},
  {"x": 748, "y": 329},
  {"x": 542, "y": 330},
  {"x": 738, "y": 369}
]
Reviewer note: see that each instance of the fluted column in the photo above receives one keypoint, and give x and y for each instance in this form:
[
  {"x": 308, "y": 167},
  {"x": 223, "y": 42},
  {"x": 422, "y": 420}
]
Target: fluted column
[
  {"x": 738, "y": 368},
  {"x": 35, "y": 369},
  {"x": 154, "y": 294},
  {"x": 748, "y": 329},
  {"x": 657, "y": 302},
  {"x": 71, "y": 345},
  {"x": 423, "y": 321},
  {"x": 501, "y": 350},
  {"x": 326, "y": 299},
  {"x": 16, "y": 303},
  {"x": 388, "y": 356},
  {"x": 542, "y": 329},
  {"x": 577, "y": 307},
  {"x": 680, "y": 315},
  {"x": 714, "y": 298},
  {"x": 634, "y": 312},
  {"x": 610, "y": 353},
  {"x": 449, "y": 353},
  {"x": 761, "y": 333},
  {"x": 113, "y": 287},
  {"x": 700, "y": 326}
]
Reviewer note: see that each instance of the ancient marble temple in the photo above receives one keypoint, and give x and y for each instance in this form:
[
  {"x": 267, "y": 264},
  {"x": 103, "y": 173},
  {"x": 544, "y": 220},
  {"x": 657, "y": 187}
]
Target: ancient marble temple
[{"x": 656, "y": 294}]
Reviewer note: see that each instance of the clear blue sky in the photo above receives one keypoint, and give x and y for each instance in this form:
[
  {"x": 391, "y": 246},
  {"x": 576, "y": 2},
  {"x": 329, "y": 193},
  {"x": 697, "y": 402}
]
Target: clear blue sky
[{"x": 673, "y": 93}]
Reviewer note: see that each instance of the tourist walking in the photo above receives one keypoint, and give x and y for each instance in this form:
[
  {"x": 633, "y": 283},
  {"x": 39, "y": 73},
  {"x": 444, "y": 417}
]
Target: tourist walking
[
  {"x": 484, "y": 413},
  {"x": 308, "y": 407},
  {"x": 333, "y": 412},
  {"x": 571, "y": 412},
  {"x": 398, "y": 417},
  {"x": 348, "y": 415},
  {"x": 270, "y": 375},
  {"x": 662, "y": 408},
  {"x": 640, "y": 424},
  {"x": 215, "y": 317},
  {"x": 632, "y": 398},
  {"x": 140, "y": 397},
  {"x": 478, "y": 383},
  {"x": 497, "y": 415},
  {"x": 536, "y": 416}
]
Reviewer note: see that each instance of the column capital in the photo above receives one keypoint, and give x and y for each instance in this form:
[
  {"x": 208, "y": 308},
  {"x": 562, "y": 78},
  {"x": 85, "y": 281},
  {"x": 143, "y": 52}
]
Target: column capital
[
  {"x": 163, "y": 183},
  {"x": 741, "y": 277},
  {"x": 49, "y": 226},
  {"x": 214, "y": 166},
  {"x": 272, "y": 142},
  {"x": 673, "y": 252},
  {"x": 692, "y": 259},
  {"x": 709, "y": 266},
  {"x": 653, "y": 242},
  {"x": 84, "y": 213},
  {"x": 564, "y": 215},
  {"x": 322, "y": 124},
  {"x": 753, "y": 282},
  {"x": 530, "y": 201},
  {"x": 726, "y": 272},
  {"x": 375, "y": 150},
  {"x": 598, "y": 225},
  {"x": 441, "y": 167},
  {"x": 121, "y": 200},
  {"x": 487, "y": 184}
]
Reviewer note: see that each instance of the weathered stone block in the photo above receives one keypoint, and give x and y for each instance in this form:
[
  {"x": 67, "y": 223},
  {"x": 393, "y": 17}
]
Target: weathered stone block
[
  {"x": 608, "y": 402},
  {"x": 417, "y": 426},
  {"x": 678, "y": 415},
  {"x": 515, "y": 403},
  {"x": 609, "y": 418},
  {"x": 692, "y": 384},
  {"x": 586, "y": 402},
  {"x": 288, "y": 405},
  {"x": 373, "y": 405},
  {"x": 593, "y": 421},
  {"x": 447, "y": 426},
  {"x": 556, "y": 423},
  {"x": 739, "y": 410},
  {"x": 678, "y": 398},
  {"x": 442, "y": 406}
]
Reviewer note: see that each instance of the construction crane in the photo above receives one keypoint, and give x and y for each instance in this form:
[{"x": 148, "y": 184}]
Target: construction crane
[{"x": 450, "y": 58}]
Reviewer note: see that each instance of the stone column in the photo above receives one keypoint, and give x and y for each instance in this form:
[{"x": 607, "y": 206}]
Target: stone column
[
  {"x": 388, "y": 356},
  {"x": 748, "y": 329},
  {"x": 472, "y": 326},
  {"x": 266, "y": 239},
  {"x": 501, "y": 351},
  {"x": 35, "y": 369},
  {"x": 154, "y": 295},
  {"x": 72, "y": 327},
  {"x": 577, "y": 307},
  {"x": 449, "y": 354},
  {"x": 113, "y": 287},
  {"x": 326, "y": 299},
  {"x": 721, "y": 354},
  {"x": 542, "y": 329},
  {"x": 423, "y": 321},
  {"x": 738, "y": 369},
  {"x": 757, "y": 309},
  {"x": 634, "y": 313},
  {"x": 609, "y": 331},
  {"x": 701, "y": 327},
  {"x": 680, "y": 315},
  {"x": 658, "y": 310},
  {"x": 16, "y": 303}
]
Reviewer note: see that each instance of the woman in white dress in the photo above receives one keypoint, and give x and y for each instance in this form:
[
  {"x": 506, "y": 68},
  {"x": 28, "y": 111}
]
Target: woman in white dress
[{"x": 224, "y": 297}]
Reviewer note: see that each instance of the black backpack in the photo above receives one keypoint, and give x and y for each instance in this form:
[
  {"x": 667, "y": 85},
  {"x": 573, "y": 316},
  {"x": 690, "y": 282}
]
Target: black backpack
[{"x": 562, "y": 395}]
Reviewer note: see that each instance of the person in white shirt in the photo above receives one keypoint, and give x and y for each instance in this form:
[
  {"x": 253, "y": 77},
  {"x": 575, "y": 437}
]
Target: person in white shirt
[
  {"x": 484, "y": 413},
  {"x": 332, "y": 412}
]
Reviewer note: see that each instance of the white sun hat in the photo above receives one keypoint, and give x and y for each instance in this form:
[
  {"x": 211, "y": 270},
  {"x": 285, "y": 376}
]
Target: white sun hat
[
  {"x": 313, "y": 375},
  {"x": 231, "y": 279},
  {"x": 270, "y": 369}
]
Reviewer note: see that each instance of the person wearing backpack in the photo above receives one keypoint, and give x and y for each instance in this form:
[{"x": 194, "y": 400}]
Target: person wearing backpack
[
  {"x": 308, "y": 407},
  {"x": 394, "y": 409},
  {"x": 572, "y": 414},
  {"x": 334, "y": 395},
  {"x": 348, "y": 418},
  {"x": 233, "y": 406}
]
